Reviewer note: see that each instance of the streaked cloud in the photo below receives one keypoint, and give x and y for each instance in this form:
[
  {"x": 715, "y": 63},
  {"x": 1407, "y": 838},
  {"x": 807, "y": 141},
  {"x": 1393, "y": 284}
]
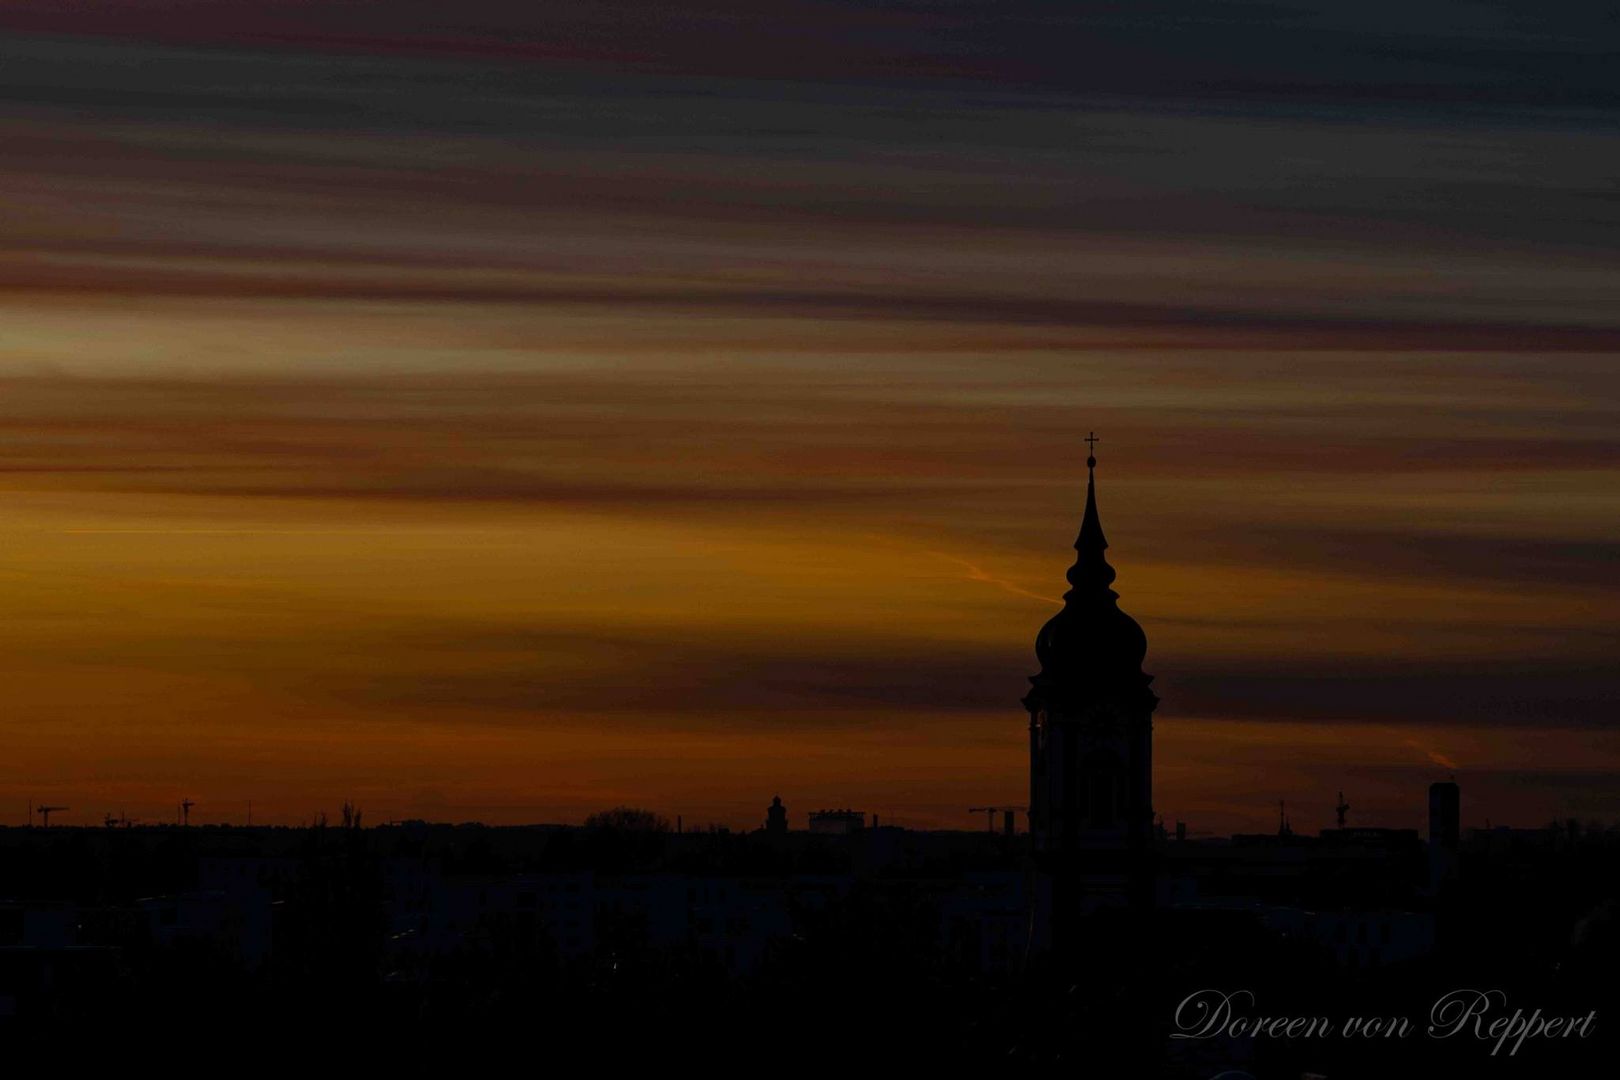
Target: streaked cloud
[{"x": 592, "y": 402}]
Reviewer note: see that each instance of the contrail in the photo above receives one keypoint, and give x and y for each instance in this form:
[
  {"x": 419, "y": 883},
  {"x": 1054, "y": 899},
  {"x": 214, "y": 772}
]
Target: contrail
[{"x": 975, "y": 573}]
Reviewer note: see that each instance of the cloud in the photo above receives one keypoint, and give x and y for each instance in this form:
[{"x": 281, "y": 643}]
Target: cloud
[
  {"x": 1424, "y": 554},
  {"x": 1314, "y": 52},
  {"x": 718, "y": 369},
  {"x": 1490, "y": 693},
  {"x": 542, "y": 676},
  {"x": 1434, "y": 757}
]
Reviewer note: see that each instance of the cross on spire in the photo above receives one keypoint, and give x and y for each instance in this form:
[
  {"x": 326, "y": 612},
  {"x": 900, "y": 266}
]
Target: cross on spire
[{"x": 1091, "y": 455}]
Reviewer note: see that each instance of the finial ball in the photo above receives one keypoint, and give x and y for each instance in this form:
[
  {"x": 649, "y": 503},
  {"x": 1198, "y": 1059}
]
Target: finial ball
[{"x": 1091, "y": 463}]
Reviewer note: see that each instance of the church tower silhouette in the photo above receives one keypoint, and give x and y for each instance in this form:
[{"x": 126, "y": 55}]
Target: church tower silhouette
[{"x": 1091, "y": 735}]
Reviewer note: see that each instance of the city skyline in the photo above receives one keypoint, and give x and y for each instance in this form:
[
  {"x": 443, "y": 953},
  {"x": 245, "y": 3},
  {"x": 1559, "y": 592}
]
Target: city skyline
[{"x": 475, "y": 427}]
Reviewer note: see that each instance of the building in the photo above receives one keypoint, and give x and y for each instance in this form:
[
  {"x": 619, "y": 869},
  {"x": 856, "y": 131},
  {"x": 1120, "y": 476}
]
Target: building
[
  {"x": 1091, "y": 738},
  {"x": 1445, "y": 832},
  {"x": 837, "y": 822},
  {"x": 1445, "y": 814}
]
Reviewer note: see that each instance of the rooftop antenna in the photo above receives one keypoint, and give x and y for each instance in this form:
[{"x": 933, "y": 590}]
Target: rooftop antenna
[
  {"x": 45, "y": 813},
  {"x": 185, "y": 811},
  {"x": 1342, "y": 809}
]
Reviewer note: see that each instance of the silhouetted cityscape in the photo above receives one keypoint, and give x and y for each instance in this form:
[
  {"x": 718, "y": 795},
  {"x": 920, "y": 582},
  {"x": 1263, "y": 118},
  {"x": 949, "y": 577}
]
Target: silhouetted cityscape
[{"x": 1071, "y": 930}]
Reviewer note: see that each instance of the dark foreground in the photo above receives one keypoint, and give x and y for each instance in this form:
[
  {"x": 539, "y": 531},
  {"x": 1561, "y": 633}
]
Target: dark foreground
[{"x": 797, "y": 950}]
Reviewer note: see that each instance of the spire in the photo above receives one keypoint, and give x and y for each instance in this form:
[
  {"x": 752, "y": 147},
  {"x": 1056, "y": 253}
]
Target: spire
[
  {"x": 1090, "y": 572},
  {"x": 1090, "y": 643}
]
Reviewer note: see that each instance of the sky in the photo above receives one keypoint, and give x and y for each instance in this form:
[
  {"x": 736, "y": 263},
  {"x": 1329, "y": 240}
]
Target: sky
[{"x": 503, "y": 411}]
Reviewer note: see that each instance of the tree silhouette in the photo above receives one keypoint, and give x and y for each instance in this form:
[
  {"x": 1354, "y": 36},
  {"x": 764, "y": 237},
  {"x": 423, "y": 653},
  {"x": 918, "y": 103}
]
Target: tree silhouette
[{"x": 628, "y": 819}]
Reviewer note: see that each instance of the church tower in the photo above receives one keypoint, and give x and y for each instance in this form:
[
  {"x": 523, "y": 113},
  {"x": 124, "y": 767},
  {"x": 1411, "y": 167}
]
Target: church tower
[{"x": 1091, "y": 735}]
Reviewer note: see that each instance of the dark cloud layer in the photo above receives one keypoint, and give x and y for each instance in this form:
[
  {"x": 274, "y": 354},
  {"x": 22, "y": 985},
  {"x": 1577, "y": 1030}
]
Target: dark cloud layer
[
  {"x": 731, "y": 681},
  {"x": 1517, "y": 53},
  {"x": 1546, "y": 691}
]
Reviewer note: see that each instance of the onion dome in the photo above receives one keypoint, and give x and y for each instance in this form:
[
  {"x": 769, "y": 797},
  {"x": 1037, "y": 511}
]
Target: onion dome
[{"x": 1090, "y": 646}]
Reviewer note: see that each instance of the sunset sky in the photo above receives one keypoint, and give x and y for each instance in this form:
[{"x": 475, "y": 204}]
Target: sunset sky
[{"x": 504, "y": 410}]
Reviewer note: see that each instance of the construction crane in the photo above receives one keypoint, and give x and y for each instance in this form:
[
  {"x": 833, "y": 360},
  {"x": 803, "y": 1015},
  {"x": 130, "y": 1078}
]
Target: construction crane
[
  {"x": 185, "y": 811},
  {"x": 45, "y": 813},
  {"x": 1007, "y": 813}
]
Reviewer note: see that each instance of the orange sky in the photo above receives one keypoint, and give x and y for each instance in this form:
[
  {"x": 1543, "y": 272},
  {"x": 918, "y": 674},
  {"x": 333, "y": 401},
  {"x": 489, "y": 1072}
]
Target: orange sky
[{"x": 508, "y": 447}]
